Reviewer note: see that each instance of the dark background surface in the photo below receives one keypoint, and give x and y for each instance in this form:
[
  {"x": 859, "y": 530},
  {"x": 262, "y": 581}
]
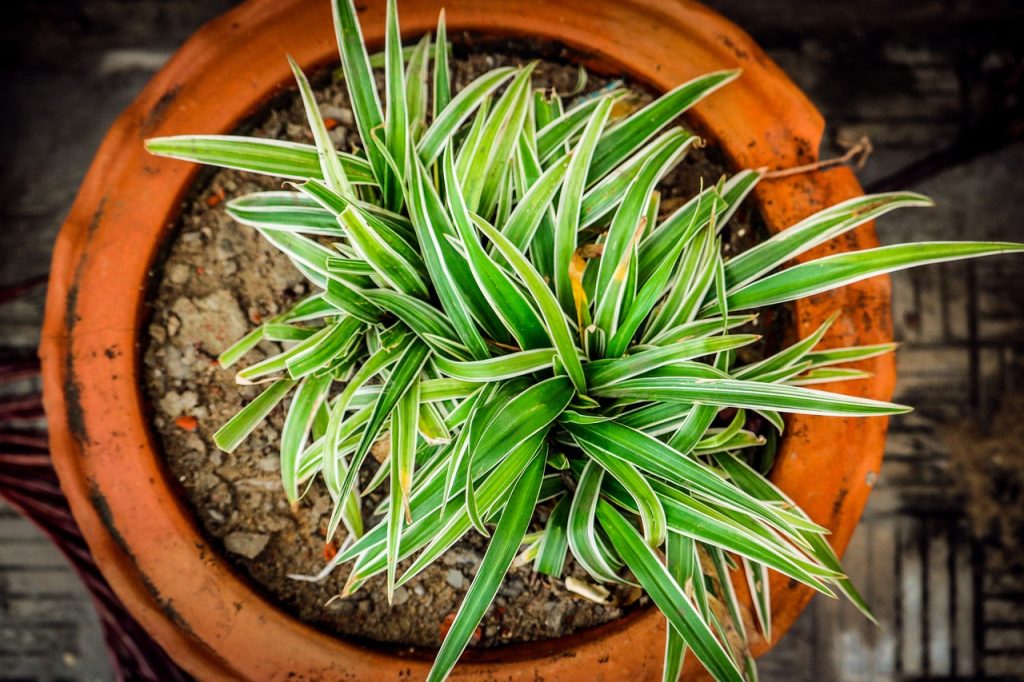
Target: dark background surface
[{"x": 938, "y": 87}]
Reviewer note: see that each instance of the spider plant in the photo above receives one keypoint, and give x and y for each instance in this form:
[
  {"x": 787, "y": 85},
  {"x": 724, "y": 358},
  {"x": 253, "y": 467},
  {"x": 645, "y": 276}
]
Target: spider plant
[{"x": 498, "y": 291}]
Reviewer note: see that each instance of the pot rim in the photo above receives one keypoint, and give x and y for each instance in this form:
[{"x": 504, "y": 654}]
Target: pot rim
[{"x": 145, "y": 540}]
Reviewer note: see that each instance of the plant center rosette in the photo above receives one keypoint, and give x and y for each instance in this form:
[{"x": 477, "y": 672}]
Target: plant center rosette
[{"x": 498, "y": 293}]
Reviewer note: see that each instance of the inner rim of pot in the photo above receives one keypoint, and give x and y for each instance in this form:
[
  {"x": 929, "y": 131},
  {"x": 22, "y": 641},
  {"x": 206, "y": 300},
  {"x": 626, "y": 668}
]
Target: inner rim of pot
[{"x": 464, "y": 45}]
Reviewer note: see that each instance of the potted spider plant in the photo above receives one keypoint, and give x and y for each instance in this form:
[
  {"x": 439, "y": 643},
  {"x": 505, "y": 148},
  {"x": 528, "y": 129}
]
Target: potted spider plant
[{"x": 506, "y": 323}]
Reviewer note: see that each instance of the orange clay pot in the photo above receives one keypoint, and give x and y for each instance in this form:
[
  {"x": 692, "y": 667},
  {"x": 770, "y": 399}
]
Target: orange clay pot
[{"x": 145, "y": 540}]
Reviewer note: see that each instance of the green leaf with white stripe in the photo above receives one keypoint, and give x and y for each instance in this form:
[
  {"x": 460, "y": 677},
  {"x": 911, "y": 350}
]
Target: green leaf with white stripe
[
  {"x": 376, "y": 215},
  {"x": 490, "y": 495},
  {"x": 437, "y": 254},
  {"x": 817, "y": 229},
  {"x": 626, "y": 230},
  {"x": 668, "y": 595},
  {"x": 416, "y": 84},
  {"x": 555, "y": 544},
  {"x": 528, "y": 173},
  {"x": 276, "y": 158},
  {"x": 690, "y": 284},
  {"x": 631, "y": 133},
  {"x": 500, "y": 367},
  {"x": 458, "y": 110},
  {"x": 442, "y": 75},
  {"x": 311, "y": 393},
  {"x": 235, "y": 430},
  {"x": 334, "y": 468},
  {"x": 647, "y": 505},
  {"x": 403, "y": 460},
  {"x": 748, "y": 394},
  {"x": 396, "y": 116},
  {"x": 556, "y": 133},
  {"x": 317, "y": 356},
  {"x": 359, "y": 80},
  {"x": 392, "y": 259},
  {"x": 531, "y": 209},
  {"x": 517, "y": 419},
  {"x": 684, "y": 224},
  {"x": 259, "y": 371},
  {"x": 757, "y": 582},
  {"x": 554, "y": 319},
  {"x": 644, "y": 302},
  {"x": 289, "y": 211},
  {"x": 758, "y": 485},
  {"x": 240, "y": 348},
  {"x": 731, "y": 531},
  {"x": 405, "y": 372},
  {"x": 608, "y": 372},
  {"x": 787, "y": 357},
  {"x": 570, "y": 201},
  {"x": 509, "y": 303},
  {"x": 603, "y": 197},
  {"x": 494, "y": 147},
  {"x": 841, "y": 269},
  {"x": 653, "y": 456},
  {"x": 422, "y": 318},
  {"x": 508, "y": 536},
  {"x": 582, "y": 527},
  {"x": 684, "y": 567},
  {"x": 833, "y": 356},
  {"x": 330, "y": 163}
]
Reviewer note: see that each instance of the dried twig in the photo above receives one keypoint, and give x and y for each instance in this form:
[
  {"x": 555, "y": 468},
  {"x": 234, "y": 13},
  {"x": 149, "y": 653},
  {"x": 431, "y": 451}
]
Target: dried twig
[{"x": 856, "y": 155}]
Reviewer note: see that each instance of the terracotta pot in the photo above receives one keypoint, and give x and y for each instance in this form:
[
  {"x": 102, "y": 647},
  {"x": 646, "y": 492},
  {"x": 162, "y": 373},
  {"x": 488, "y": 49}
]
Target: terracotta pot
[{"x": 144, "y": 539}]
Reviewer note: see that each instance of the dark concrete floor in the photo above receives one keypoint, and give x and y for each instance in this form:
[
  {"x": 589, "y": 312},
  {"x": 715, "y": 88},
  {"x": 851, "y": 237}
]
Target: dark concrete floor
[{"x": 936, "y": 84}]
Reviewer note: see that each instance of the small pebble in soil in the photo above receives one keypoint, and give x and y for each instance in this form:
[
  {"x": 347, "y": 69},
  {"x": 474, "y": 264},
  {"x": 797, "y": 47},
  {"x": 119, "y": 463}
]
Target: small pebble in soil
[
  {"x": 178, "y": 273},
  {"x": 248, "y": 545},
  {"x": 511, "y": 588},
  {"x": 455, "y": 579},
  {"x": 400, "y": 596}
]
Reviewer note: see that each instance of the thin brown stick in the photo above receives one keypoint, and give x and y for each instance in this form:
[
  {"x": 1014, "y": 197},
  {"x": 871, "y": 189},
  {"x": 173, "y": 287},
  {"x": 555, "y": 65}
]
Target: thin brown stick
[{"x": 857, "y": 155}]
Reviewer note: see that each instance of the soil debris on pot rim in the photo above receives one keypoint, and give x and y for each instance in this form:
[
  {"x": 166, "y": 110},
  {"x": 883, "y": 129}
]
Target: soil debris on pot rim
[{"x": 217, "y": 281}]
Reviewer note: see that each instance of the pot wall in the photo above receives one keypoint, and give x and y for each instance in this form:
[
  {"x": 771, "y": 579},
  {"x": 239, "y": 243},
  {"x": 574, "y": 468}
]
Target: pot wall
[{"x": 146, "y": 542}]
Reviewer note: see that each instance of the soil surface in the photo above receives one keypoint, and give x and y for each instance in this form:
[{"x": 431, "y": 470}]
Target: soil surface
[{"x": 218, "y": 280}]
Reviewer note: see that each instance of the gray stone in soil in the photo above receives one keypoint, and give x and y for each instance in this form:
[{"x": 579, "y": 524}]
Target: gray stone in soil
[
  {"x": 176, "y": 404},
  {"x": 248, "y": 545},
  {"x": 400, "y": 596},
  {"x": 455, "y": 579},
  {"x": 512, "y": 588},
  {"x": 555, "y": 614},
  {"x": 213, "y": 322}
]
